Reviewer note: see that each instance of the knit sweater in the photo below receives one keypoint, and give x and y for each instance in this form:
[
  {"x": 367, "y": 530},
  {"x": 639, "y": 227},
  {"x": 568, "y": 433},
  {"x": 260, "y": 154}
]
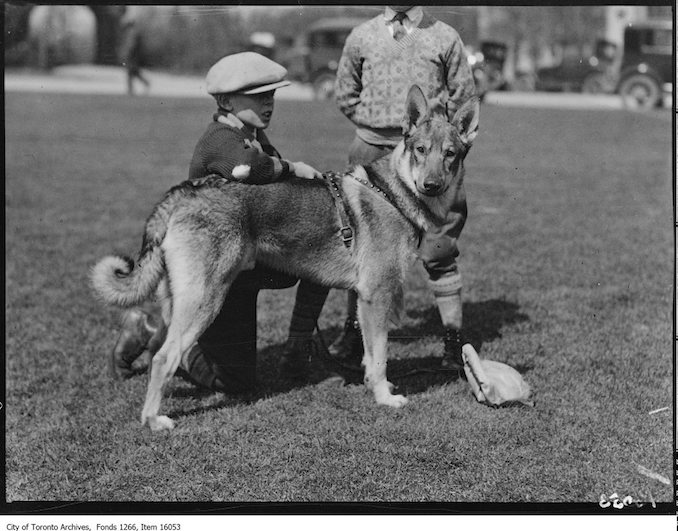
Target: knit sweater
[
  {"x": 233, "y": 153},
  {"x": 376, "y": 72}
]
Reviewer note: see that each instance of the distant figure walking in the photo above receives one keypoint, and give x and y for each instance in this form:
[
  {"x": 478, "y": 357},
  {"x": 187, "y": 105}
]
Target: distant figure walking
[{"x": 131, "y": 54}]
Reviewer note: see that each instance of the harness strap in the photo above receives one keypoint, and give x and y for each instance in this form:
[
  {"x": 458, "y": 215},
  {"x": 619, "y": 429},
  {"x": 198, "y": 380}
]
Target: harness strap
[
  {"x": 389, "y": 200},
  {"x": 345, "y": 230},
  {"x": 375, "y": 188}
]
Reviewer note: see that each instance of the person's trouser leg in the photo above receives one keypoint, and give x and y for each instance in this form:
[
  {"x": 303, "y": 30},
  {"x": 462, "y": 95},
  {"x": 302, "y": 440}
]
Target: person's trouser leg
[
  {"x": 308, "y": 304},
  {"x": 348, "y": 345},
  {"x": 130, "y": 82},
  {"x": 438, "y": 251},
  {"x": 300, "y": 347},
  {"x": 225, "y": 356}
]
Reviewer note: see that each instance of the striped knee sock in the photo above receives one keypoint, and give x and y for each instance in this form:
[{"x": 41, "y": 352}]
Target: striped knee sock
[
  {"x": 447, "y": 291},
  {"x": 197, "y": 369},
  {"x": 307, "y": 307}
]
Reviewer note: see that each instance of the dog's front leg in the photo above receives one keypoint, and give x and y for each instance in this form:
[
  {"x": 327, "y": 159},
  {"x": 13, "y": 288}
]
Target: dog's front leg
[{"x": 373, "y": 318}]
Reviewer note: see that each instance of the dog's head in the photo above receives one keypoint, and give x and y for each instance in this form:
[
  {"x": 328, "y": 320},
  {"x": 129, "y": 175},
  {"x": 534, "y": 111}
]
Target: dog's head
[{"x": 437, "y": 141}]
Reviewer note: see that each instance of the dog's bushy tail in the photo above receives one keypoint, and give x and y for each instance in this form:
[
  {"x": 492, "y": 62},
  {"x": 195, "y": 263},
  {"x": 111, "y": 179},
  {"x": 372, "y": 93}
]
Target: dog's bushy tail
[{"x": 117, "y": 281}]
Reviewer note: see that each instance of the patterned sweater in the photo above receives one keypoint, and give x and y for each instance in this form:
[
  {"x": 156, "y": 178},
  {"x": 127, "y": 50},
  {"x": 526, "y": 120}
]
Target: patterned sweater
[
  {"x": 230, "y": 151},
  {"x": 376, "y": 72}
]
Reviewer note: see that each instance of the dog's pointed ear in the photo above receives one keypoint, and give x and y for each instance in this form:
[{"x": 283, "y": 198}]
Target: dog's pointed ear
[
  {"x": 416, "y": 109},
  {"x": 466, "y": 120}
]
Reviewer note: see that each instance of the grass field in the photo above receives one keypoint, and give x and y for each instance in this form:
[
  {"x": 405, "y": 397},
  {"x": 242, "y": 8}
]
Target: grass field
[{"x": 567, "y": 258}]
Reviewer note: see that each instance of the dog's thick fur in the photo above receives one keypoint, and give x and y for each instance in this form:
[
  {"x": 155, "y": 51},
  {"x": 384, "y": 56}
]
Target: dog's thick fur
[{"x": 202, "y": 234}]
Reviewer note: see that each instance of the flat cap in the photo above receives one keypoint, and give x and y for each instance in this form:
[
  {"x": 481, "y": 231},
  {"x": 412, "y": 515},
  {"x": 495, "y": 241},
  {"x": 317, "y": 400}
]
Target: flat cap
[{"x": 245, "y": 73}]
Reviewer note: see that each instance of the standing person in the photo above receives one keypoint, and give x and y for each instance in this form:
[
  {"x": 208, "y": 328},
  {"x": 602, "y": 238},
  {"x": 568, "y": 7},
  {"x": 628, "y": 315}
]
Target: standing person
[
  {"x": 381, "y": 60},
  {"x": 235, "y": 147},
  {"x": 131, "y": 53}
]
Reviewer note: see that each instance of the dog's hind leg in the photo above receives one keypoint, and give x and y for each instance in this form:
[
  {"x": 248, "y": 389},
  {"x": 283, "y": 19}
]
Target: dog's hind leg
[
  {"x": 164, "y": 297},
  {"x": 195, "y": 303},
  {"x": 373, "y": 317},
  {"x": 192, "y": 313},
  {"x": 163, "y": 366}
]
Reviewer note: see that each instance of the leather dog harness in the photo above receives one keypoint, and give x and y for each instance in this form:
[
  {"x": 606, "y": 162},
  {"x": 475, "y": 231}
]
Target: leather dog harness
[
  {"x": 346, "y": 232},
  {"x": 345, "y": 229}
]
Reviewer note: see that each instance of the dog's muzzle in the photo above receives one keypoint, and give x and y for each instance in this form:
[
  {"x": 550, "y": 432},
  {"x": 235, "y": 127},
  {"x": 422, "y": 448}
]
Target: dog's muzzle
[{"x": 432, "y": 187}]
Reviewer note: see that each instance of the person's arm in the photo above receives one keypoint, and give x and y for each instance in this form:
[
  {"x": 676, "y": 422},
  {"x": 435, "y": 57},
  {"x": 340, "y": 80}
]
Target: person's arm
[
  {"x": 234, "y": 157},
  {"x": 460, "y": 83},
  {"x": 349, "y": 77},
  {"x": 231, "y": 155}
]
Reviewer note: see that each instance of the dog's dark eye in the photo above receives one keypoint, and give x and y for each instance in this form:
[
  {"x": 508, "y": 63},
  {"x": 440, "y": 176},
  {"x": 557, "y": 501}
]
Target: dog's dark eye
[
  {"x": 449, "y": 153},
  {"x": 420, "y": 149}
]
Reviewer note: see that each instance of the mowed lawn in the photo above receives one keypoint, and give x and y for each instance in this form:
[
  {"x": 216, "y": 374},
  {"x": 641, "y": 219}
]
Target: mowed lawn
[{"x": 567, "y": 257}]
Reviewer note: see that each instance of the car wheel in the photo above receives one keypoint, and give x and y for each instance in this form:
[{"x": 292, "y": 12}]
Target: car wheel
[
  {"x": 597, "y": 83},
  {"x": 323, "y": 86},
  {"x": 640, "y": 92}
]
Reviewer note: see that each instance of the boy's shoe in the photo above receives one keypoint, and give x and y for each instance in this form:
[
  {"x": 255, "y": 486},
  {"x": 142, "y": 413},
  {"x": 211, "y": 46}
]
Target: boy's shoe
[
  {"x": 234, "y": 375},
  {"x": 296, "y": 358},
  {"x": 349, "y": 345},
  {"x": 134, "y": 338},
  {"x": 452, "y": 358}
]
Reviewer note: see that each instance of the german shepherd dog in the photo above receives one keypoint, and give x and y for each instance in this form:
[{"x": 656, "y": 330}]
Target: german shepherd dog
[{"x": 203, "y": 234}]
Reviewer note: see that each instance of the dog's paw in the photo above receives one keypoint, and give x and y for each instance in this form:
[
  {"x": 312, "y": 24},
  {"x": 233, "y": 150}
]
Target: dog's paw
[
  {"x": 160, "y": 423},
  {"x": 394, "y": 401},
  {"x": 382, "y": 393}
]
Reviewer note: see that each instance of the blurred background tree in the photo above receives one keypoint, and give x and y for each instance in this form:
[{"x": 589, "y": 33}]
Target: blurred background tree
[
  {"x": 16, "y": 33},
  {"x": 107, "y": 32}
]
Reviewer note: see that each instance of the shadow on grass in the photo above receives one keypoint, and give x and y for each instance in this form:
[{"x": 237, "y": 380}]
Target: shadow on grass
[
  {"x": 483, "y": 323},
  {"x": 269, "y": 383}
]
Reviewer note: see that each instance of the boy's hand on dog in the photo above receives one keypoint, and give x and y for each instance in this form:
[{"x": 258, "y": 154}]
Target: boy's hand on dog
[{"x": 303, "y": 170}]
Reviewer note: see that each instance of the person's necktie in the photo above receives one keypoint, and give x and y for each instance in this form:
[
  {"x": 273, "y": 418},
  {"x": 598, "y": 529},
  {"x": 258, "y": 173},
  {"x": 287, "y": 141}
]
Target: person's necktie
[{"x": 399, "y": 30}]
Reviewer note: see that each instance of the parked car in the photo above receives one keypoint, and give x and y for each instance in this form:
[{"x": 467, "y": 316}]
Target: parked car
[
  {"x": 487, "y": 66},
  {"x": 314, "y": 56},
  {"x": 646, "y": 71},
  {"x": 595, "y": 74}
]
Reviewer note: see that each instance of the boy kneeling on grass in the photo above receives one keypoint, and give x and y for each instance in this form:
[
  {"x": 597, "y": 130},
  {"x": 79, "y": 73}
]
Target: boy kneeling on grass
[{"x": 234, "y": 146}]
